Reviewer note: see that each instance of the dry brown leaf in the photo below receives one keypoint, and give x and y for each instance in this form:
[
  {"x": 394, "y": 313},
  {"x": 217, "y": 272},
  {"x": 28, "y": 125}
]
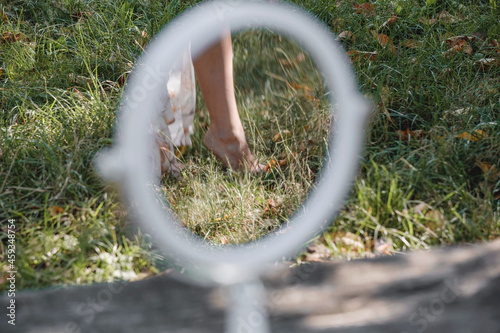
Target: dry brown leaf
[
  {"x": 390, "y": 22},
  {"x": 56, "y": 210},
  {"x": 454, "y": 40},
  {"x": 271, "y": 164},
  {"x": 293, "y": 62},
  {"x": 79, "y": 15},
  {"x": 299, "y": 86},
  {"x": 366, "y": 9},
  {"x": 427, "y": 21},
  {"x": 281, "y": 135},
  {"x": 143, "y": 39},
  {"x": 456, "y": 43},
  {"x": 346, "y": 35},
  {"x": 476, "y": 135},
  {"x": 420, "y": 208},
  {"x": 122, "y": 79},
  {"x": 405, "y": 135},
  {"x": 383, "y": 40},
  {"x": 270, "y": 203},
  {"x": 356, "y": 56},
  {"x": 447, "y": 17},
  {"x": 490, "y": 171},
  {"x": 338, "y": 24},
  {"x": 9, "y": 37},
  {"x": 413, "y": 44},
  {"x": 487, "y": 63},
  {"x": 109, "y": 85},
  {"x": 436, "y": 218},
  {"x": 468, "y": 49}
]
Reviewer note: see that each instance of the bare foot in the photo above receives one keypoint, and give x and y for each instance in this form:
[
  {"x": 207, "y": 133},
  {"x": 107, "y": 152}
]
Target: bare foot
[
  {"x": 233, "y": 152},
  {"x": 168, "y": 162}
]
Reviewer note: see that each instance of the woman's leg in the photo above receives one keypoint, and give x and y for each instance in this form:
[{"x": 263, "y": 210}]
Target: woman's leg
[{"x": 225, "y": 137}]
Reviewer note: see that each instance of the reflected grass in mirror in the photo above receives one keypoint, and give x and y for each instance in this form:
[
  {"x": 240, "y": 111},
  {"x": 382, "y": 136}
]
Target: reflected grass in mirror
[{"x": 285, "y": 111}]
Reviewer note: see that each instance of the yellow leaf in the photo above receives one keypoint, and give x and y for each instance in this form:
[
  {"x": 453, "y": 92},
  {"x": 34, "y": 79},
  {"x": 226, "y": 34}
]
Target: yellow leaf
[
  {"x": 474, "y": 136},
  {"x": 56, "y": 210},
  {"x": 270, "y": 165}
]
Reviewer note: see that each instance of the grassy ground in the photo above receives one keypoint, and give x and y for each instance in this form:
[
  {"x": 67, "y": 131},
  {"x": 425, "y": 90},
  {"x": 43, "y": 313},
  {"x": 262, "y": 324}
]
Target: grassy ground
[{"x": 429, "y": 173}]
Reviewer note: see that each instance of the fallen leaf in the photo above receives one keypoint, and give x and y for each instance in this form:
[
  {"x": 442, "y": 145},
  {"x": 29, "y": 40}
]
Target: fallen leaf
[
  {"x": 270, "y": 203},
  {"x": 223, "y": 240},
  {"x": 271, "y": 206},
  {"x": 352, "y": 240},
  {"x": 270, "y": 165},
  {"x": 420, "y": 208},
  {"x": 458, "y": 112},
  {"x": 79, "y": 15},
  {"x": 356, "y": 56},
  {"x": 56, "y": 210},
  {"x": 345, "y": 35},
  {"x": 452, "y": 41},
  {"x": 299, "y": 86},
  {"x": 490, "y": 171},
  {"x": 390, "y": 22},
  {"x": 487, "y": 63},
  {"x": 9, "y": 37},
  {"x": 293, "y": 62},
  {"x": 405, "y": 135},
  {"x": 427, "y": 21},
  {"x": 412, "y": 44},
  {"x": 366, "y": 9},
  {"x": 337, "y": 24},
  {"x": 447, "y": 17},
  {"x": 122, "y": 79},
  {"x": 281, "y": 135},
  {"x": 468, "y": 49},
  {"x": 143, "y": 38},
  {"x": 383, "y": 40},
  {"x": 436, "y": 219},
  {"x": 474, "y": 136},
  {"x": 109, "y": 85},
  {"x": 457, "y": 43}
]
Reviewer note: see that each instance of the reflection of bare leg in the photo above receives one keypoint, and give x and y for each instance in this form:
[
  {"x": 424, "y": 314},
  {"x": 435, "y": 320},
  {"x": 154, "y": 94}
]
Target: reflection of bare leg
[{"x": 225, "y": 137}]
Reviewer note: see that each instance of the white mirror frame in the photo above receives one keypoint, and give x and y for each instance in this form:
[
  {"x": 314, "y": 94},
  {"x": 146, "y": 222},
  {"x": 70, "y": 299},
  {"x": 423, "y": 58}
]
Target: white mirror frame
[{"x": 128, "y": 162}]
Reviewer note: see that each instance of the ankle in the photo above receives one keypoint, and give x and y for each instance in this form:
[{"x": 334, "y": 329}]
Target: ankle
[{"x": 228, "y": 135}]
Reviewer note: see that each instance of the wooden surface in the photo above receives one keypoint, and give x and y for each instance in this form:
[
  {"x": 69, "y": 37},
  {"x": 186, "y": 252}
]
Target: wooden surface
[{"x": 444, "y": 290}]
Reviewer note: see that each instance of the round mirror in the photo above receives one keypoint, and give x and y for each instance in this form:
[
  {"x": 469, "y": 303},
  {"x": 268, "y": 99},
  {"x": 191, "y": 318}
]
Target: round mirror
[{"x": 286, "y": 113}]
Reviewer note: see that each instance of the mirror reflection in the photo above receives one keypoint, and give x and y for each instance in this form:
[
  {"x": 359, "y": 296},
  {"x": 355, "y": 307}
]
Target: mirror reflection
[{"x": 242, "y": 136}]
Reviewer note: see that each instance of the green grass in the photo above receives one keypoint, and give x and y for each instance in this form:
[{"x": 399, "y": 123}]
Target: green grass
[{"x": 59, "y": 94}]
